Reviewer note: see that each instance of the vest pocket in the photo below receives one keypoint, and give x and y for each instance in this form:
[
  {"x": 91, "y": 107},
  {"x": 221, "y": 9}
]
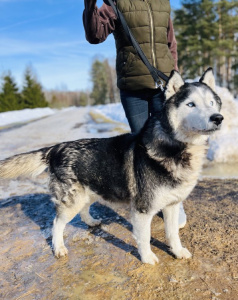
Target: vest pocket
[
  {"x": 124, "y": 62},
  {"x": 129, "y": 61}
]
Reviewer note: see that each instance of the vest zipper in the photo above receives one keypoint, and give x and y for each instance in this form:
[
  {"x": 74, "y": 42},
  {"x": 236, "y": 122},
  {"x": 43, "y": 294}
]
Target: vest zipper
[{"x": 152, "y": 34}]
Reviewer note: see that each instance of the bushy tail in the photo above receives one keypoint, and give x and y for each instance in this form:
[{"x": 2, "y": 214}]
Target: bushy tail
[{"x": 26, "y": 164}]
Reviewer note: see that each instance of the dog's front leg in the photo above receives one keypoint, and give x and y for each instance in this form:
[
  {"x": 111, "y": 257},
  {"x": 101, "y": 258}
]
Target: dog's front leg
[
  {"x": 142, "y": 232},
  {"x": 171, "y": 217}
]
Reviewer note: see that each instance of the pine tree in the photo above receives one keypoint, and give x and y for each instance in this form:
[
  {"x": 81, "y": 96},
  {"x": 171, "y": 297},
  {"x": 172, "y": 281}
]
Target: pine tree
[
  {"x": 206, "y": 32},
  {"x": 110, "y": 82},
  {"x": 10, "y": 98},
  {"x": 99, "y": 79},
  {"x": 227, "y": 40},
  {"x": 83, "y": 99},
  {"x": 196, "y": 32},
  {"x": 103, "y": 77},
  {"x": 32, "y": 93}
]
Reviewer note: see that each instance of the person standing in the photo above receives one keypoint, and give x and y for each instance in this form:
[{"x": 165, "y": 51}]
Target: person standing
[{"x": 152, "y": 27}]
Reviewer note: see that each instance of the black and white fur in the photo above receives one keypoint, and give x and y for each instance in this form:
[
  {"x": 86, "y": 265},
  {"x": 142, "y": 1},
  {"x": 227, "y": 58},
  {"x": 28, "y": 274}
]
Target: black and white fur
[{"x": 152, "y": 171}]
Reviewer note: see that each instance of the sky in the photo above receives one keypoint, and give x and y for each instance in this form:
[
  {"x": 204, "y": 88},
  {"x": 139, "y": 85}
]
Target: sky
[{"x": 48, "y": 35}]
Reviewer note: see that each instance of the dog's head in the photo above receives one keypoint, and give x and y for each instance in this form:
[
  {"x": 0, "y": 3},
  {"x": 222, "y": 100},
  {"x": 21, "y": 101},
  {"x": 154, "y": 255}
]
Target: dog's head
[{"x": 193, "y": 108}]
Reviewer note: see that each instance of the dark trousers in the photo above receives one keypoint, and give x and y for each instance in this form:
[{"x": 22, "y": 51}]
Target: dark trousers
[{"x": 138, "y": 105}]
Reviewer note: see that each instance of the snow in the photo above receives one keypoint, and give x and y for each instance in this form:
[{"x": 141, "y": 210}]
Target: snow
[
  {"x": 113, "y": 112},
  {"x": 24, "y": 115},
  {"x": 63, "y": 125},
  {"x": 223, "y": 144}
]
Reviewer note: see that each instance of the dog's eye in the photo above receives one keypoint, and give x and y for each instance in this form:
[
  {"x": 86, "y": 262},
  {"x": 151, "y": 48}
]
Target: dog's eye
[
  {"x": 212, "y": 103},
  {"x": 191, "y": 104}
]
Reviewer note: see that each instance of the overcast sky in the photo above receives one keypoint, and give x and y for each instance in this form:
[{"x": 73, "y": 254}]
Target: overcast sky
[{"x": 49, "y": 36}]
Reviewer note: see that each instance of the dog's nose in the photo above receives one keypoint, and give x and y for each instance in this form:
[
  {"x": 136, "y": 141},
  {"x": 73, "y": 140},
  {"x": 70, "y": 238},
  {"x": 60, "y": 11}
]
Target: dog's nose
[{"x": 216, "y": 119}]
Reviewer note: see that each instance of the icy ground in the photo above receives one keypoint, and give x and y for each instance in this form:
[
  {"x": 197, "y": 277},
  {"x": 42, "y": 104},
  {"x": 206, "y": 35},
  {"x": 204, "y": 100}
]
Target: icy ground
[
  {"x": 61, "y": 125},
  {"x": 112, "y": 112}
]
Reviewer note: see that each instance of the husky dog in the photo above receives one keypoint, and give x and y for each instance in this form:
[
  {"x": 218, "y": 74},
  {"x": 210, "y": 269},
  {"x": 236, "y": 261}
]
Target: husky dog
[{"x": 153, "y": 170}]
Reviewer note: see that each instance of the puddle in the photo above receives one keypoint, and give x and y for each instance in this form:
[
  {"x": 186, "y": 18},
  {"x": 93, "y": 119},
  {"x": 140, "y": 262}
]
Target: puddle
[{"x": 223, "y": 171}]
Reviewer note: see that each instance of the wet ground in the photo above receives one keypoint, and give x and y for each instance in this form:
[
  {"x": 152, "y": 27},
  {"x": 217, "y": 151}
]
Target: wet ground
[{"x": 103, "y": 262}]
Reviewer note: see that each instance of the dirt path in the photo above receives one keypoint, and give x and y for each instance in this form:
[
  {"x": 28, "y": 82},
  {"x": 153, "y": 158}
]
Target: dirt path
[{"x": 103, "y": 263}]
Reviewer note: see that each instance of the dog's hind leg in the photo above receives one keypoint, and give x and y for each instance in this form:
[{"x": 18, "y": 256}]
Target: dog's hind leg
[
  {"x": 64, "y": 215},
  {"x": 86, "y": 217},
  {"x": 69, "y": 200},
  {"x": 74, "y": 200},
  {"x": 171, "y": 217},
  {"x": 142, "y": 233}
]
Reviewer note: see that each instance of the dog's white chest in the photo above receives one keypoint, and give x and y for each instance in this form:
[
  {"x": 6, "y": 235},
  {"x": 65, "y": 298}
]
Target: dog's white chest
[
  {"x": 164, "y": 196},
  {"x": 187, "y": 179}
]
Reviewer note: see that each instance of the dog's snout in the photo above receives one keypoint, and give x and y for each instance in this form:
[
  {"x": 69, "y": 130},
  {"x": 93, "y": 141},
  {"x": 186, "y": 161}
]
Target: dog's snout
[{"x": 216, "y": 119}]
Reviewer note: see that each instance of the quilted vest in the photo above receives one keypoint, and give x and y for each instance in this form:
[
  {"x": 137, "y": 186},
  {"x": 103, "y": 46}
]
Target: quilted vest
[{"x": 148, "y": 21}]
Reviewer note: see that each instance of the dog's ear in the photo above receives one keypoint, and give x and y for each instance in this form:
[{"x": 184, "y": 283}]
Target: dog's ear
[
  {"x": 173, "y": 85},
  {"x": 209, "y": 79}
]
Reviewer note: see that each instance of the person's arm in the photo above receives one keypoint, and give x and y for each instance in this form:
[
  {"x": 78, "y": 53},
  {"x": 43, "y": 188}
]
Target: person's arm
[
  {"x": 98, "y": 22},
  {"x": 172, "y": 43}
]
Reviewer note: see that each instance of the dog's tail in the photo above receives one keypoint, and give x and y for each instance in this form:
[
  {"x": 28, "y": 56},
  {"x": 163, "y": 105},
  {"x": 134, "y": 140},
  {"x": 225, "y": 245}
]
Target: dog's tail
[{"x": 27, "y": 164}]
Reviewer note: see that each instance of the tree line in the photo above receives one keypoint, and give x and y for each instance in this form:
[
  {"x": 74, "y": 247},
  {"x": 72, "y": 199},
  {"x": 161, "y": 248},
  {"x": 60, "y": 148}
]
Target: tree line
[
  {"x": 31, "y": 95},
  {"x": 104, "y": 88}
]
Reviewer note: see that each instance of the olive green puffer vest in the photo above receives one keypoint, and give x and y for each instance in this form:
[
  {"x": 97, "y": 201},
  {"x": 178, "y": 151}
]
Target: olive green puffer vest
[{"x": 148, "y": 21}]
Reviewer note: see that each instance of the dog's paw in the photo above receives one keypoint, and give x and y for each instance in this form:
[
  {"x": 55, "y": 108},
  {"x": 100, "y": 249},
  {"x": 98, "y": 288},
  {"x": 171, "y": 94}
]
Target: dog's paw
[
  {"x": 93, "y": 222},
  {"x": 149, "y": 258},
  {"x": 61, "y": 251},
  {"x": 182, "y": 253}
]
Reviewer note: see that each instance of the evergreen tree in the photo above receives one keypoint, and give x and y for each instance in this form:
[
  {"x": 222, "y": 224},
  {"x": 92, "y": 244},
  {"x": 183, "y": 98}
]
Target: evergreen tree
[
  {"x": 99, "y": 79},
  {"x": 195, "y": 35},
  {"x": 10, "y": 98},
  {"x": 227, "y": 40},
  {"x": 83, "y": 99},
  {"x": 206, "y": 32},
  {"x": 104, "y": 79},
  {"x": 32, "y": 93},
  {"x": 110, "y": 82}
]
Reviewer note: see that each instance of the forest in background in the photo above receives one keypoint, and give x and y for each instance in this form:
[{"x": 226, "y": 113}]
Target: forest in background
[
  {"x": 207, "y": 36},
  {"x": 206, "y": 33}
]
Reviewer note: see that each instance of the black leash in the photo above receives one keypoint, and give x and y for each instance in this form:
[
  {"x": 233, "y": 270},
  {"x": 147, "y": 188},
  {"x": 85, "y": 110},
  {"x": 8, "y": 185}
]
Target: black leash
[{"x": 156, "y": 74}]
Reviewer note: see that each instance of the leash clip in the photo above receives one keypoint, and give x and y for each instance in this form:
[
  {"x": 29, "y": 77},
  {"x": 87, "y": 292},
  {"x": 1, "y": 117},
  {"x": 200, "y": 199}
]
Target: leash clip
[{"x": 159, "y": 85}]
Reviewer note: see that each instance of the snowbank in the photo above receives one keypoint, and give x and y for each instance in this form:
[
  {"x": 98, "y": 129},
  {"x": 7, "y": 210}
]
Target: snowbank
[
  {"x": 224, "y": 143},
  {"x": 24, "y": 115},
  {"x": 111, "y": 112}
]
